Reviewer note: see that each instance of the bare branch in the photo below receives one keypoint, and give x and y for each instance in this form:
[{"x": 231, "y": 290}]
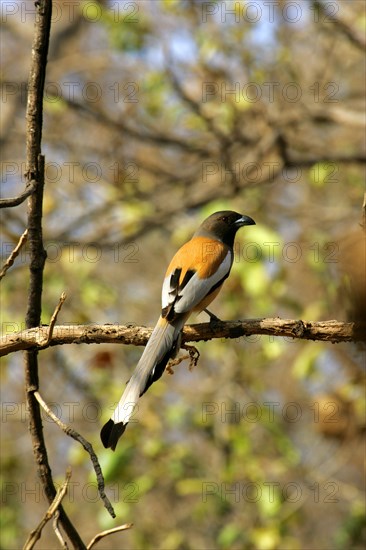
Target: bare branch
[
  {"x": 342, "y": 116},
  {"x": 57, "y": 530},
  {"x": 87, "y": 446},
  {"x": 345, "y": 26},
  {"x": 9, "y": 262},
  {"x": 36, "y": 534},
  {"x": 154, "y": 138},
  {"x": 35, "y": 164},
  {"x": 327, "y": 331},
  {"x": 29, "y": 189},
  {"x": 108, "y": 532},
  {"x": 53, "y": 320},
  {"x": 195, "y": 106}
]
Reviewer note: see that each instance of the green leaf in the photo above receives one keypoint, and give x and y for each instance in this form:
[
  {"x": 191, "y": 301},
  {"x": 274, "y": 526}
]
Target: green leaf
[
  {"x": 321, "y": 173},
  {"x": 270, "y": 502},
  {"x": 229, "y": 534},
  {"x": 305, "y": 361},
  {"x": 266, "y": 538},
  {"x": 189, "y": 486}
]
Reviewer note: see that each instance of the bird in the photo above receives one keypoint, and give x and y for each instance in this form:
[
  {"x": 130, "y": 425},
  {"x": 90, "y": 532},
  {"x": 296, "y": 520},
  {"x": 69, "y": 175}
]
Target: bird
[{"x": 192, "y": 281}]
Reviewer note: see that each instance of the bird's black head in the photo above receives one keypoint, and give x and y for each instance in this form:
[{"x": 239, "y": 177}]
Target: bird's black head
[{"x": 223, "y": 226}]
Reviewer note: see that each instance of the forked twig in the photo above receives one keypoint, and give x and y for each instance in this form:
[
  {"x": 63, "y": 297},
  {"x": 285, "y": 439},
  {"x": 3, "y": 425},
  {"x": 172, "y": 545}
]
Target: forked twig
[
  {"x": 108, "y": 532},
  {"x": 58, "y": 532},
  {"x": 53, "y": 320},
  {"x": 36, "y": 533},
  {"x": 87, "y": 446},
  {"x": 9, "y": 262},
  {"x": 29, "y": 190}
]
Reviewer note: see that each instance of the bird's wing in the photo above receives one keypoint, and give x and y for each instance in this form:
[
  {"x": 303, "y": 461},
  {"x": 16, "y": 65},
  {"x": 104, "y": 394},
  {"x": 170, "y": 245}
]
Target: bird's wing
[{"x": 195, "y": 271}]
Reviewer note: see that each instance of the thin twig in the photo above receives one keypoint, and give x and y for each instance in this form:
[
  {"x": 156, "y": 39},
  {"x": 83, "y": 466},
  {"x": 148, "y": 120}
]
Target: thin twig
[
  {"x": 58, "y": 532},
  {"x": 9, "y": 203},
  {"x": 87, "y": 446},
  {"x": 343, "y": 23},
  {"x": 108, "y": 532},
  {"x": 36, "y": 533},
  {"x": 53, "y": 321},
  {"x": 9, "y": 262}
]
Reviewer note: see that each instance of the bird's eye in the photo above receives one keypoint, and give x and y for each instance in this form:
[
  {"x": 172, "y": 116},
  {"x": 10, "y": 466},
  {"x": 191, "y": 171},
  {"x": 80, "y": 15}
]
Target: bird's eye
[{"x": 224, "y": 219}]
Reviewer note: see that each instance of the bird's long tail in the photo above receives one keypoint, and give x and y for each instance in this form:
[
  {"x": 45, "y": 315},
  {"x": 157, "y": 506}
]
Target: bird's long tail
[{"x": 161, "y": 346}]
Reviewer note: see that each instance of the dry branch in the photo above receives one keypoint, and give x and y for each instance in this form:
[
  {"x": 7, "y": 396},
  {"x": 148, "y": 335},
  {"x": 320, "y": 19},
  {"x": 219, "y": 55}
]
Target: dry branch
[
  {"x": 29, "y": 189},
  {"x": 53, "y": 320},
  {"x": 326, "y": 331},
  {"x": 341, "y": 20},
  {"x": 107, "y": 533},
  {"x": 36, "y": 534},
  {"x": 35, "y": 164},
  {"x": 9, "y": 262},
  {"x": 57, "y": 531},
  {"x": 87, "y": 446}
]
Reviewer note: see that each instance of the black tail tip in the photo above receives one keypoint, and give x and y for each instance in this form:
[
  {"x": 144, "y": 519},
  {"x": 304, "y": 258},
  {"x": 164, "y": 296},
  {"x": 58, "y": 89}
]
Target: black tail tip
[{"x": 110, "y": 434}]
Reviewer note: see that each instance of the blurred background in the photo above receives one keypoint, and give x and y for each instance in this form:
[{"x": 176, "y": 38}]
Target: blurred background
[{"x": 156, "y": 114}]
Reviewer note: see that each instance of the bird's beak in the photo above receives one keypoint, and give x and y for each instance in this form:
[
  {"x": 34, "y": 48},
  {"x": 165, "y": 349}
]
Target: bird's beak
[{"x": 245, "y": 220}]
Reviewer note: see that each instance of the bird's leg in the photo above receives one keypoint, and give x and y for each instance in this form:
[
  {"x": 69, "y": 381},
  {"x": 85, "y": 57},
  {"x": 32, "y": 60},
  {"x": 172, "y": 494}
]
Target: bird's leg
[
  {"x": 173, "y": 354},
  {"x": 213, "y": 317},
  {"x": 176, "y": 347}
]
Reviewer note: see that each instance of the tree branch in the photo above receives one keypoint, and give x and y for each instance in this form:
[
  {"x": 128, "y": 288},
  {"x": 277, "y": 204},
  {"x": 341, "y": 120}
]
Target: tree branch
[
  {"x": 9, "y": 262},
  {"x": 29, "y": 189},
  {"x": 87, "y": 446},
  {"x": 36, "y": 534},
  {"x": 54, "y": 319},
  {"x": 342, "y": 22},
  {"x": 35, "y": 171},
  {"x": 327, "y": 331},
  {"x": 154, "y": 137},
  {"x": 107, "y": 533}
]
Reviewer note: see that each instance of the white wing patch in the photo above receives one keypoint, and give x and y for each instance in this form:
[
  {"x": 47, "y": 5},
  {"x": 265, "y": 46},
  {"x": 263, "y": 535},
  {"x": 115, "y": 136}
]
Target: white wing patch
[
  {"x": 195, "y": 290},
  {"x": 165, "y": 293}
]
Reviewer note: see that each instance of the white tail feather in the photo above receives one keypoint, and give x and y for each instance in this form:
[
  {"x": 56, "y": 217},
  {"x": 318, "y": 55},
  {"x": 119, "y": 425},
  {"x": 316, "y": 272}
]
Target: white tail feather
[{"x": 160, "y": 342}]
